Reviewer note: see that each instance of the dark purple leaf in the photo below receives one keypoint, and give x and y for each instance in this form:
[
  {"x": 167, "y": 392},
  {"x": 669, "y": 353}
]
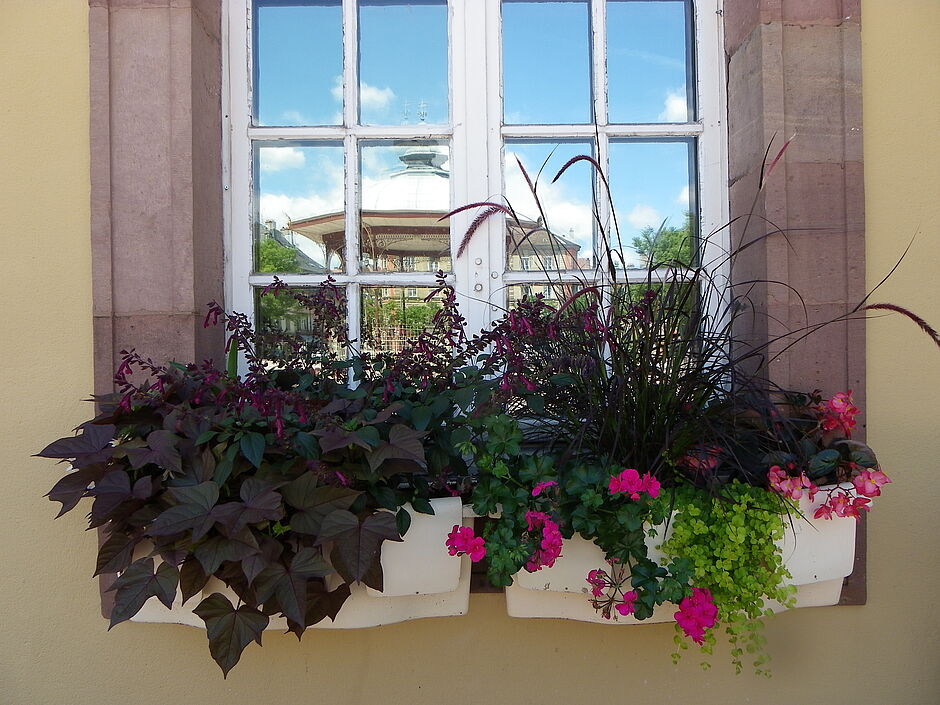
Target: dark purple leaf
[
  {"x": 321, "y": 502},
  {"x": 229, "y": 630},
  {"x": 115, "y": 554},
  {"x": 356, "y": 553},
  {"x": 336, "y": 438},
  {"x": 262, "y": 502},
  {"x": 403, "y": 444},
  {"x": 161, "y": 450},
  {"x": 322, "y": 604},
  {"x": 192, "y": 578},
  {"x": 195, "y": 511},
  {"x": 213, "y": 551},
  {"x": 109, "y": 492},
  {"x": 288, "y": 584},
  {"x": 92, "y": 439},
  {"x": 71, "y": 488},
  {"x": 143, "y": 488},
  {"x": 138, "y": 584}
]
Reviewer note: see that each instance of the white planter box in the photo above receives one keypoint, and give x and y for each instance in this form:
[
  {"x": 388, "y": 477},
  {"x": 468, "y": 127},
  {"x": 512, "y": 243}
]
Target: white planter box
[
  {"x": 817, "y": 553},
  {"x": 420, "y": 578}
]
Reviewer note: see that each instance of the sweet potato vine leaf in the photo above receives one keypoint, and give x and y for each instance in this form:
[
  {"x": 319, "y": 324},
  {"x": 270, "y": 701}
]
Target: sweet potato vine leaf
[
  {"x": 357, "y": 546},
  {"x": 288, "y": 584},
  {"x": 115, "y": 554},
  {"x": 229, "y": 630},
  {"x": 71, "y": 488},
  {"x": 197, "y": 511},
  {"x": 138, "y": 584},
  {"x": 403, "y": 444},
  {"x": 314, "y": 502},
  {"x": 93, "y": 439}
]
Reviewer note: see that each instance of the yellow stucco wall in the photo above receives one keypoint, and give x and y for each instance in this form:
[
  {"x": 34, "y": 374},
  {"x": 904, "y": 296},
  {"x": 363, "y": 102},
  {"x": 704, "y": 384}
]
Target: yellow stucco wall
[{"x": 54, "y": 645}]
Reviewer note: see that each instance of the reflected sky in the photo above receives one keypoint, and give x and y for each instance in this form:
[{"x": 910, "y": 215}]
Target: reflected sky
[{"x": 403, "y": 74}]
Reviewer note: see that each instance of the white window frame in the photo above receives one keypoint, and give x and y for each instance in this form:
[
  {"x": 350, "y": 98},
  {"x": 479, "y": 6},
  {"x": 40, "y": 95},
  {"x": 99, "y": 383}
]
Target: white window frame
[{"x": 480, "y": 275}]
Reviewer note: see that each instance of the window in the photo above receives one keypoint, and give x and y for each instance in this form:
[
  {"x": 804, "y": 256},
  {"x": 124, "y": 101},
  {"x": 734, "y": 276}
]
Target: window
[{"x": 357, "y": 124}]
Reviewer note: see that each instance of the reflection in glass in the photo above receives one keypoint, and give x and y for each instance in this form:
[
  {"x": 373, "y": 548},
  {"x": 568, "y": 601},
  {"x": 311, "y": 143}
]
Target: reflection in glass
[
  {"x": 403, "y": 62},
  {"x": 300, "y": 226},
  {"x": 546, "y": 62},
  {"x": 405, "y": 192},
  {"x": 298, "y": 55},
  {"x": 552, "y": 293},
  {"x": 307, "y": 319},
  {"x": 647, "y": 61},
  {"x": 652, "y": 188},
  {"x": 561, "y": 236},
  {"x": 394, "y": 315}
]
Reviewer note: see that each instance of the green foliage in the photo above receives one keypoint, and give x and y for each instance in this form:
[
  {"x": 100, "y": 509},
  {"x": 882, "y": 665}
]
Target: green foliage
[
  {"x": 274, "y": 258},
  {"x": 730, "y": 543},
  {"x": 666, "y": 244}
]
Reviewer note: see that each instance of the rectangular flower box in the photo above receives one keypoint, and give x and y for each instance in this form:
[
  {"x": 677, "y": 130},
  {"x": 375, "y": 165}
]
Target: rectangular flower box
[
  {"x": 818, "y": 553},
  {"x": 420, "y": 580}
]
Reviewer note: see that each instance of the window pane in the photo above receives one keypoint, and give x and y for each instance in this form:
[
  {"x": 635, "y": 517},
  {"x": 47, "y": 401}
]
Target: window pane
[
  {"x": 405, "y": 192},
  {"x": 403, "y": 62},
  {"x": 393, "y": 315},
  {"x": 561, "y": 236},
  {"x": 298, "y": 53},
  {"x": 552, "y": 293},
  {"x": 299, "y": 200},
  {"x": 653, "y": 194},
  {"x": 647, "y": 65},
  {"x": 318, "y": 319},
  {"x": 546, "y": 63}
]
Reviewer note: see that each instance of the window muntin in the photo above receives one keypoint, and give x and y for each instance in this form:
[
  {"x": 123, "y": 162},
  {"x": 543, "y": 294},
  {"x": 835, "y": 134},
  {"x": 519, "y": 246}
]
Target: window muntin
[{"x": 477, "y": 141}]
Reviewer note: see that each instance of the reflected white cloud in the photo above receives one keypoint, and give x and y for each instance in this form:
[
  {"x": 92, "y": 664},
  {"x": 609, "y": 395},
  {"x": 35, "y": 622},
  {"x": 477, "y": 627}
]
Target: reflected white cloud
[
  {"x": 675, "y": 108},
  {"x": 370, "y": 97},
  {"x": 567, "y": 215},
  {"x": 644, "y": 216},
  {"x": 280, "y": 158},
  {"x": 282, "y": 208},
  {"x": 683, "y": 198}
]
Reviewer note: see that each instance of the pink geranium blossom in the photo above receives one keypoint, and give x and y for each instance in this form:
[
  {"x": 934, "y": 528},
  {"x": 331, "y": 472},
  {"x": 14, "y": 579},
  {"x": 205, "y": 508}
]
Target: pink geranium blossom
[
  {"x": 697, "y": 614},
  {"x": 627, "y": 606},
  {"x": 462, "y": 541},
  {"x": 597, "y": 579},
  {"x": 869, "y": 482},
  {"x": 542, "y": 486},
  {"x": 549, "y": 547},
  {"x": 630, "y": 482}
]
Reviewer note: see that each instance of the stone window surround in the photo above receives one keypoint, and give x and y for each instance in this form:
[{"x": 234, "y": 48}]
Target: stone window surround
[{"x": 794, "y": 69}]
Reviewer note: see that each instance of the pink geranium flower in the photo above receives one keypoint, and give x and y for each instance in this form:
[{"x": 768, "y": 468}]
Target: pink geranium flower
[
  {"x": 462, "y": 541},
  {"x": 597, "y": 579},
  {"x": 549, "y": 547},
  {"x": 542, "y": 486},
  {"x": 627, "y": 606},
  {"x": 630, "y": 482},
  {"x": 697, "y": 614}
]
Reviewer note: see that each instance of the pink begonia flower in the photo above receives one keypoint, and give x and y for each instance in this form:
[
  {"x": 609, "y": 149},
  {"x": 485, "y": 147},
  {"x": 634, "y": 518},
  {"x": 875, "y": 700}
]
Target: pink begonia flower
[
  {"x": 542, "y": 486},
  {"x": 549, "y": 547},
  {"x": 869, "y": 482},
  {"x": 838, "y": 414},
  {"x": 844, "y": 505},
  {"x": 630, "y": 482},
  {"x": 627, "y": 607},
  {"x": 462, "y": 541},
  {"x": 701, "y": 458},
  {"x": 597, "y": 579},
  {"x": 697, "y": 614},
  {"x": 824, "y": 511},
  {"x": 791, "y": 487}
]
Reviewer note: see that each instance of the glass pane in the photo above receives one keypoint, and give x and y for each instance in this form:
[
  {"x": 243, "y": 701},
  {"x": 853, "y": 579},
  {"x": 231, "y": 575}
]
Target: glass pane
[
  {"x": 405, "y": 192},
  {"x": 403, "y": 62},
  {"x": 551, "y": 293},
  {"x": 298, "y": 54},
  {"x": 560, "y": 236},
  {"x": 647, "y": 61},
  {"x": 394, "y": 315},
  {"x": 652, "y": 191},
  {"x": 546, "y": 63},
  {"x": 314, "y": 316},
  {"x": 299, "y": 200}
]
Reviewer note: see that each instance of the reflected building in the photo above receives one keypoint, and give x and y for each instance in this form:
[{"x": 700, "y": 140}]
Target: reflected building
[{"x": 403, "y": 229}]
